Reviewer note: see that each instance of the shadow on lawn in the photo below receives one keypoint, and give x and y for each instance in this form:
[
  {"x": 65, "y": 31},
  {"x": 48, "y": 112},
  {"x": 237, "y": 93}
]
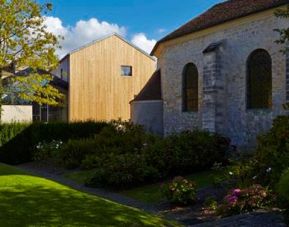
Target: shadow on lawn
[{"x": 45, "y": 206}]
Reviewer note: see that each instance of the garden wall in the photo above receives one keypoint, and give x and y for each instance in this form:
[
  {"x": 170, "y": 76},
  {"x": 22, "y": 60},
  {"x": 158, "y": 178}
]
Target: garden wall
[
  {"x": 149, "y": 114},
  {"x": 16, "y": 113}
]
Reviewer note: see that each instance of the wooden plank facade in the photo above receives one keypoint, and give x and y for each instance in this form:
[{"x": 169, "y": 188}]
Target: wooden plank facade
[{"x": 97, "y": 90}]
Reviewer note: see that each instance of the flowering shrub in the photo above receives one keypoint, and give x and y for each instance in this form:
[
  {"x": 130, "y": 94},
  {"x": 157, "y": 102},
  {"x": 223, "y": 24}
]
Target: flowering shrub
[
  {"x": 272, "y": 155},
  {"x": 245, "y": 200},
  {"x": 46, "y": 151},
  {"x": 180, "y": 191}
]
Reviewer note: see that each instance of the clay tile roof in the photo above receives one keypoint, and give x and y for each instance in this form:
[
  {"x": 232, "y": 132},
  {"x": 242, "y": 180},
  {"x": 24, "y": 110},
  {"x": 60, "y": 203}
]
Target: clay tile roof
[
  {"x": 221, "y": 13},
  {"x": 152, "y": 89}
]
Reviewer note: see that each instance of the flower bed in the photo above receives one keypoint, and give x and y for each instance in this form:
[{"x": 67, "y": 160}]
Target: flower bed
[{"x": 245, "y": 200}]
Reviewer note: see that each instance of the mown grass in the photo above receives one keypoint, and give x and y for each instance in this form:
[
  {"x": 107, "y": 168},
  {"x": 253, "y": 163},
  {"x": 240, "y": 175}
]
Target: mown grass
[{"x": 27, "y": 200}]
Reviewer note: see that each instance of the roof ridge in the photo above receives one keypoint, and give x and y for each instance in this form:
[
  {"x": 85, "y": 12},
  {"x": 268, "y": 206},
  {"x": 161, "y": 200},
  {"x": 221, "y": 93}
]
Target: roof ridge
[
  {"x": 104, "y": 38},
  {"x": 220, "y": 13}
]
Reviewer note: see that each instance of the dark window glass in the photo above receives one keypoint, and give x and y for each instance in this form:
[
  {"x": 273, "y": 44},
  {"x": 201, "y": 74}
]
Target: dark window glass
[
  {"x": 259, "y": 80},
  {"x": 190, "y": 88},
  {"x": 126, "y": 70}
]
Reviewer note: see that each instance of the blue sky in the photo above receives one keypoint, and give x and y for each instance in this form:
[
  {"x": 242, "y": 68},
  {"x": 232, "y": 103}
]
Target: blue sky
[{"x": 151, "y": 18}]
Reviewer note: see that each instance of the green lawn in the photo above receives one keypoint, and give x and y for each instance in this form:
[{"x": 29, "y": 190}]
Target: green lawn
[
  {"x": 27, "y": 200},
  {"x": 152, "y": 193}
]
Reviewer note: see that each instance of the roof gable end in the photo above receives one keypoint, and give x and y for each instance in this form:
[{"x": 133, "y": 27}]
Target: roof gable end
[{"x": 107, "y": 37}]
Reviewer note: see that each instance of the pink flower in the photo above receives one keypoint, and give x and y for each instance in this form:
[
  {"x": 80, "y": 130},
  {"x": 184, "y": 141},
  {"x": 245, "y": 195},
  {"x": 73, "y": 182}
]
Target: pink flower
[
  {"x": 236, "y": 192},
  {"x": 231, "y": 199}
]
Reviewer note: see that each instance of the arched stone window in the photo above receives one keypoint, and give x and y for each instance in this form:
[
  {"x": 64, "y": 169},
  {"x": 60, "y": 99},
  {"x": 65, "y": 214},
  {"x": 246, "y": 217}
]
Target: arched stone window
[
  {"x": 190, "y": 88},
  {"x": 259, "y": 80}
]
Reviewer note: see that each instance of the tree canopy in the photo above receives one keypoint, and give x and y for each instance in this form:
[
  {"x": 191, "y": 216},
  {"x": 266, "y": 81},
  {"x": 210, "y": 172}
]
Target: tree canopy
[
  {"x": 284, "y": 32},
  {"x": 25, "y": 43}
]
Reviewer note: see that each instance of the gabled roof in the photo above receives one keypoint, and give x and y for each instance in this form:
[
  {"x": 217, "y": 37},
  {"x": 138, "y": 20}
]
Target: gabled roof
[
  {"x": 106, "y": 37},
  {"x": 221, "y": 13},
  {"x": 152, "y": 89}
]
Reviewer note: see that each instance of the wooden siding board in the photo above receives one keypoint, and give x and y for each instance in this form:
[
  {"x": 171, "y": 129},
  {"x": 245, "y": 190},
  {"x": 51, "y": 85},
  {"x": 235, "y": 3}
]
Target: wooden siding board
[{"x": 97, "y": 90}]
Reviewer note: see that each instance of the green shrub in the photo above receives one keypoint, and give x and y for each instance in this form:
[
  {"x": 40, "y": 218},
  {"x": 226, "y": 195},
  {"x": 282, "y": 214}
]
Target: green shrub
[
  {"x": 91, "y": 161},
  {"x": 19, "y": 148},
  {"x": 115, "y": 139},
  {"x": 180, "y": 191},
  {"x": 123, "y": 171},
  {"x": 272, "y": 155},
  {"x": 146, "y": 158},
  {"x": 10, "y": 152},
  {"x": 187, "y": 152},
  {"x": 9, "y": 131},
  {"x": 123, "y": 155},
  {"x": 283, "y": 187},
  {"x": 74, "y": 152},
  {"x": 211, "y": 203},
  {"x": 47, "y": 151}
]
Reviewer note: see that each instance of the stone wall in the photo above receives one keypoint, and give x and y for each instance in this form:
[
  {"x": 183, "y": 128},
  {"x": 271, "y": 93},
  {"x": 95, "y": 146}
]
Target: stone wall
[
  {"x": 287, "y": 76},
  {"x": 148, "y": 114},
  {"x": 227, "y": 114}
]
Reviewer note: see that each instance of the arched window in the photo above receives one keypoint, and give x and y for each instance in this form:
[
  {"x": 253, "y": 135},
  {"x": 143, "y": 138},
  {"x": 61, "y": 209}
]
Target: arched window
[
  {"x": 190, "y": 88},
  {"x": 259, "y": 80}
]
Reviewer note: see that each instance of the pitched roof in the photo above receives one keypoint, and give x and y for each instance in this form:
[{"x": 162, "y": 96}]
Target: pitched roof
[
  {"x": 56, "y": 81},
  {"x": 106, "y": 37},
  {"x": 221, "y": 13},
  {"x": 152, "y": 90}
]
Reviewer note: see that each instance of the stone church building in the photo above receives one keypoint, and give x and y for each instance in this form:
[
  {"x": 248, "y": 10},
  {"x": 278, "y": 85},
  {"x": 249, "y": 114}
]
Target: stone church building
[{"x": 221, "y": 71}]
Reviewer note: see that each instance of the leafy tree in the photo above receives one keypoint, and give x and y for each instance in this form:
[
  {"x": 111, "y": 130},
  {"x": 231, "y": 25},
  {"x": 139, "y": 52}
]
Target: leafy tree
[
  {"x": 284, "y": 32},
  {"x": 26, "y": 43}
]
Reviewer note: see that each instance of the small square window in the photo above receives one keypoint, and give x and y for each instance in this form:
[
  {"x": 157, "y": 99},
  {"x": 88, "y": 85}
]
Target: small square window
[{"x": 126, "y": 70}]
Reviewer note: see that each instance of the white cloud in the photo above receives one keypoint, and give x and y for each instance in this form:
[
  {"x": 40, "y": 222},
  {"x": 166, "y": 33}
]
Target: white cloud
[
  {"x": 143, "y": 42},
  {"x": 54, "y": 25},
  {"x": 81, "y": 33},
  {"x": 161, "y": 30},
  {"x": 85, "y": 31}
]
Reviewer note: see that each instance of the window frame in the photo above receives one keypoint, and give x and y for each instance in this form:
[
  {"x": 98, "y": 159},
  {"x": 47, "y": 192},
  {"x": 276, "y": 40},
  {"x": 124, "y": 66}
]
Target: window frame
[
  {"x": 249, "y": 105},
  {"x": 126, "y": 66},
  {"x": 195, "y": 96}
]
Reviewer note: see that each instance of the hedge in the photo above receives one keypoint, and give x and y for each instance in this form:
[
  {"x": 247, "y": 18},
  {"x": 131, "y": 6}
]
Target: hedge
[{"x": 18, "y": 140}]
